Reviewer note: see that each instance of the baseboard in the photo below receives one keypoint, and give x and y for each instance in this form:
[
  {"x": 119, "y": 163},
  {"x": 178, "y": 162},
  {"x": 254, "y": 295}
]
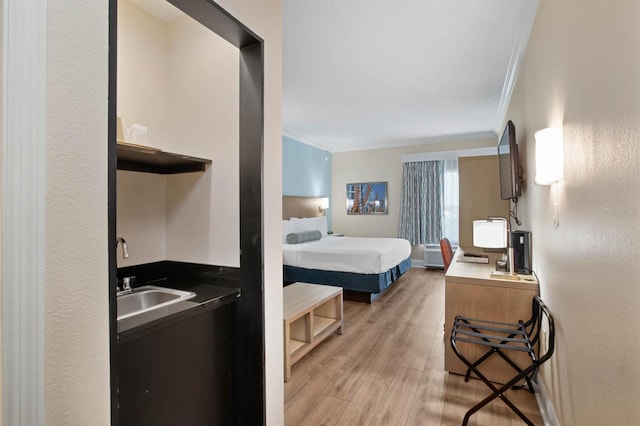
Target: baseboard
[
  {"x": 417, "y": 263},
  {"x": 544, "y": 404}
]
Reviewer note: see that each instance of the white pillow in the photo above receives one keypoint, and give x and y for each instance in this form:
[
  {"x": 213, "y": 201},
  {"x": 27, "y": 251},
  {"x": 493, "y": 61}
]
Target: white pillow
[
  {"x": 287, "y": 228},
  {"x": 310, "y": 224}
]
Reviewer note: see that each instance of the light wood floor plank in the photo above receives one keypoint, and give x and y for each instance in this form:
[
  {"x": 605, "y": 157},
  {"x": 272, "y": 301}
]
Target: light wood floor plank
[
  {"x": 305, "y": 400},
  {"x": 429, "y": 401},
  {"x": 394, "y": 407},
  {"x": 365, "y": 402},
  {"x": 459, "y": 397},
  {"x": 387, "y": 368},
  {"x": 326, "y": 412}
]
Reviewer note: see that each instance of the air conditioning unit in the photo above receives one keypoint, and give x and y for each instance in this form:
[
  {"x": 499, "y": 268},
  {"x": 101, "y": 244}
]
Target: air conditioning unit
[{"x": 433, "y": 256}]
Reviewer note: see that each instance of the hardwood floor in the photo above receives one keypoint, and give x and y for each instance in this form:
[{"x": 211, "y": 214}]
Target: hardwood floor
[{"x": 387, "y": 368}]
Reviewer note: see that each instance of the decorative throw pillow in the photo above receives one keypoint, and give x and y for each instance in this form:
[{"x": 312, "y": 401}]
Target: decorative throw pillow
[
  {"x": 304, "y": 236},
  {"x": 287, "y": 228}
]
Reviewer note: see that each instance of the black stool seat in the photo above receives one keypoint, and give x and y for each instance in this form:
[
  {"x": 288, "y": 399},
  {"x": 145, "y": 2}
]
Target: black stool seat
[{"x": 501, "y": 339}]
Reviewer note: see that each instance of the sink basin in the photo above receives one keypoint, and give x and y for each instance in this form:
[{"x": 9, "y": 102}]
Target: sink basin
[{"x": 148, "y": 298}]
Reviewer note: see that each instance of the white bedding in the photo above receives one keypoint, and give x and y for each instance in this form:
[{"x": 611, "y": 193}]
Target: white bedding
[{"x": 347, "y": 254}]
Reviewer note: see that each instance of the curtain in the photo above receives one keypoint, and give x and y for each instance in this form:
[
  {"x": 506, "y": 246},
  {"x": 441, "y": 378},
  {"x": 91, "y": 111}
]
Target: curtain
[{"x": 422, "y": 202}]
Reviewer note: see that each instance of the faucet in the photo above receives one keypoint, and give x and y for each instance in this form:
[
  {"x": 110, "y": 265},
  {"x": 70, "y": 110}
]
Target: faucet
[
  {"x": 125, "y": 250},
  {"x": 126, "y": 286},
  {"x": 126, "y": 282}
]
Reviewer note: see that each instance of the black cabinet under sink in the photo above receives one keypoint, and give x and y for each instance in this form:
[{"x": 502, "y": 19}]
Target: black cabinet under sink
[{"x": 178, "y": 373}]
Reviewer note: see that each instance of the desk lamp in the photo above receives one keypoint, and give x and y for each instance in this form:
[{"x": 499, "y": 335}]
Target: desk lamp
[{"x": 494, "y": 233}]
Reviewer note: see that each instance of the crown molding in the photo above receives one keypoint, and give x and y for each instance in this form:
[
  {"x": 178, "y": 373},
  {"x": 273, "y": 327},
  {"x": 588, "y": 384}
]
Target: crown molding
[
  {"x": 489, "y": 134},
  {"x": 526, "y": 19}
]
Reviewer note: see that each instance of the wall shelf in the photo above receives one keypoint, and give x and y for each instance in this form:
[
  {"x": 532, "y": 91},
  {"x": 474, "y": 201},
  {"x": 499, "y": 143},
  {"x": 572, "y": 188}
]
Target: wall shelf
[{"x": 140, "y": 158}]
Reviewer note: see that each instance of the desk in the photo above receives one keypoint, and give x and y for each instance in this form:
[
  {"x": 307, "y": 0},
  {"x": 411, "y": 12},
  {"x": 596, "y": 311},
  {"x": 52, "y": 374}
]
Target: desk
[{"x": 470, "y": 291}]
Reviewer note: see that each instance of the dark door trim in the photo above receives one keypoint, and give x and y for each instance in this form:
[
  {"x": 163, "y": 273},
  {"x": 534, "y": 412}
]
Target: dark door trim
[{"x": 248, "y": 316}]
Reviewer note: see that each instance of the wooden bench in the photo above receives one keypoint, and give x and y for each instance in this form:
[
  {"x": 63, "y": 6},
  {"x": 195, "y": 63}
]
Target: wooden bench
[{"x": 312, "y": 312}]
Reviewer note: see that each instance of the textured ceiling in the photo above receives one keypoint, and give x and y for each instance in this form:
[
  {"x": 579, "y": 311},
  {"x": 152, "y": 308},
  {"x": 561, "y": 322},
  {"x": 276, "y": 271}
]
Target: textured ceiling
[{"x": 364, "y": 74}]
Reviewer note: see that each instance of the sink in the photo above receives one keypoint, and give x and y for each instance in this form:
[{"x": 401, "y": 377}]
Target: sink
[{"x": 147, "y": 298}]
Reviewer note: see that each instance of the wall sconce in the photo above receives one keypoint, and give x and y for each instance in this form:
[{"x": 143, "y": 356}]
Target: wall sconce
[
  {"x": 550, "y": 162},
  {"x": 324, "y": 204},
  {"x": 549, "y": 156}
]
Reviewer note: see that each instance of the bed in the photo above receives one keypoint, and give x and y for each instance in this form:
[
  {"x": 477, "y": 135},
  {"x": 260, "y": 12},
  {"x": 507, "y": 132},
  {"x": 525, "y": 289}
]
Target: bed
[{"x": 364, "y": 267}]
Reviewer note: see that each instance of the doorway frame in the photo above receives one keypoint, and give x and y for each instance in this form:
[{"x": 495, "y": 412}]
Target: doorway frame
[{"x": 248, "y": 346}]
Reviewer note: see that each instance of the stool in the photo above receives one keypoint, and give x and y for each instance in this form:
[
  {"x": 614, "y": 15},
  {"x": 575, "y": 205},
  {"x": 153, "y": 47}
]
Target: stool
[{"x": 501, "y": 339}]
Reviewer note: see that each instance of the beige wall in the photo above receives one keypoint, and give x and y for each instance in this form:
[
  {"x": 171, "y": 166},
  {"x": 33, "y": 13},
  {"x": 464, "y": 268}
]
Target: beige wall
[
  {"x": 380, "y": 165},
  {"x": 581, "y": 71}
]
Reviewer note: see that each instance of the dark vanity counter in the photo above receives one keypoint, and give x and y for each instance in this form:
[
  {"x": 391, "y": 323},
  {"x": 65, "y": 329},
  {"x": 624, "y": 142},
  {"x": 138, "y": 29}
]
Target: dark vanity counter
[
  {"x": 214, "y": 286},
  {"x": 175, "y": 363}
]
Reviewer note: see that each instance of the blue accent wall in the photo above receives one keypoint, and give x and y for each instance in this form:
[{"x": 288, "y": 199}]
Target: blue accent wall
[{"x": 306, "y": 171}]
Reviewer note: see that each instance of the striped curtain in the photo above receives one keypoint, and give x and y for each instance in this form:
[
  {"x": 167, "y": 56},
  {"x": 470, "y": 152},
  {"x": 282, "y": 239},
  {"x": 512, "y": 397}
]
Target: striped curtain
[{"x": 422, "y": 202}]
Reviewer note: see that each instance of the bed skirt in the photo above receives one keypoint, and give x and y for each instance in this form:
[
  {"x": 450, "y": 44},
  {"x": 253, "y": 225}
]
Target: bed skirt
[{"x": 367, "y": 283}]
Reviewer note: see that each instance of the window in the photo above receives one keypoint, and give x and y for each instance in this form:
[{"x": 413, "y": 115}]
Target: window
[{"x": 429, "y": 201}]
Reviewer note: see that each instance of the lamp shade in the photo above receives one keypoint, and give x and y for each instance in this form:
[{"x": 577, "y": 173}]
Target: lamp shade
[{"x": 490, "y": 233}]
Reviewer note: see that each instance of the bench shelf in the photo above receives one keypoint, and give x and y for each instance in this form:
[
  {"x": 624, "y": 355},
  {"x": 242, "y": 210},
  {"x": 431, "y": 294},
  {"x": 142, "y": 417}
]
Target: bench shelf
[{"x": 312, "y": 312}]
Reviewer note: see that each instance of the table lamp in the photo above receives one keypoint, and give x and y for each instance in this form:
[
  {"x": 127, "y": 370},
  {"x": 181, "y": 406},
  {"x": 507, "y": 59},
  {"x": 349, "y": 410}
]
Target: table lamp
[{"x": 493, "y": 233}]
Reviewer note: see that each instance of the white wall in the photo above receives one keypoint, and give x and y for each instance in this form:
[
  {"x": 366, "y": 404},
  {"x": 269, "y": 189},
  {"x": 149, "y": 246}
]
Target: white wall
[
  {"x": 1, "y": 202},
  {"x": 203, "y": 212},
  {"x": 581, "y": 71},
  {"x": 381, "y": 165},
  {"x": 143, "y": 75},
  {"x": 143, "y": 72},
  {"x": 141, "y": 217},
  {"x": 76, "y": 311},
  {"x": 190, "y": 106}
]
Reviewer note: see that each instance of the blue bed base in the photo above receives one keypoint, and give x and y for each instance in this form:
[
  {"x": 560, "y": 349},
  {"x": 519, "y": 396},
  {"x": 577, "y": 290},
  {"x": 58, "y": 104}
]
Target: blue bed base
[{"x": 364, "y": 283}]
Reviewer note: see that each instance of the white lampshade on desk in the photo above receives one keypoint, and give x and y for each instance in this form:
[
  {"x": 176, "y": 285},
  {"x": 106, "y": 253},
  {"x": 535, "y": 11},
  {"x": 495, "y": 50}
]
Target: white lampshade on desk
[
  {"x": 494, "y": 233},
  {"x": 490, "y": 233}
]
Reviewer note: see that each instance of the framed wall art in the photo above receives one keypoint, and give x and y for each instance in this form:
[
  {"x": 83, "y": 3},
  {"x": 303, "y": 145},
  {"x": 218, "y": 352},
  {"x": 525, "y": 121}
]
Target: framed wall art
[{"x": 367, "y": 198}]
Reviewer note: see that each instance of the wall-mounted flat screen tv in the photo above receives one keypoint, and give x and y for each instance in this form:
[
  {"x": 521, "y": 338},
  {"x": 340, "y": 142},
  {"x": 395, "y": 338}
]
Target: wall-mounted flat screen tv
[{"x": 509, "y": 164}]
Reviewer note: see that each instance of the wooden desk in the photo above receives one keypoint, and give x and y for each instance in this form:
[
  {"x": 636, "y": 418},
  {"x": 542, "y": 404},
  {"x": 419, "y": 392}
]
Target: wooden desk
[
  {"x": 470, "y": 291},
  {"x": 311, "y": 313}
]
